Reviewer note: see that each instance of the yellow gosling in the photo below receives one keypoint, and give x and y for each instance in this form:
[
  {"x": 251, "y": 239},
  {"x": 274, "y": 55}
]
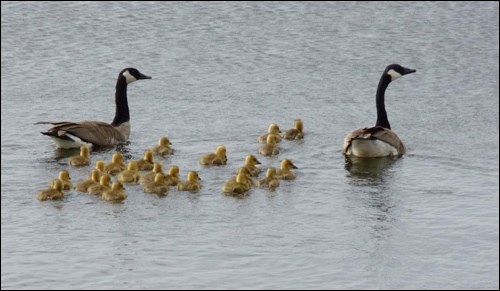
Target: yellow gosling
[
  {"x": 164, "y": 147},
  {"x": 273, "y": 129},
  {"x": 246, "y": 178},
  {"x": 251, "y": 163},
  {"x": 286, "y": 173},
  {"x": 116, "y": 193},
  {"x": 131, "y": 174},
  {"x": 149, "y": 177},
  {"x": 104, "y": 184},
  {"x": 116, "y": 166},
  {"x": 270, "y": 148},
  {"x": 146, "y": 164},
  {"x": 55, "y": 192},
  {"x": 65, "y": 179},
  {"x": 295, "y": 133},
  {"x": 192, "y": 184},
  {"x": 81, "y": 160},
  {"x": 158, "y": 186},
  {"x": 83, "y": 185},
  {"x": 216, "y": 158},
  {"x": 237, "y": 186},
  {"x": 99, "y": 166},
  {"x": 270, "y": 181},
  {"x": 172, "y": 178}
]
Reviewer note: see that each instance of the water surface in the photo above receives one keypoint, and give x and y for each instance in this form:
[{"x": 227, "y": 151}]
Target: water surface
[{"x": 222, "y": 72}]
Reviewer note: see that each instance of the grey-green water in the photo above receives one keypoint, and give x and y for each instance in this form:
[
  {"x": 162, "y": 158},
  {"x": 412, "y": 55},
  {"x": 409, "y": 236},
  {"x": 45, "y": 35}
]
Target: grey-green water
[{"x": 222, "y": 72}]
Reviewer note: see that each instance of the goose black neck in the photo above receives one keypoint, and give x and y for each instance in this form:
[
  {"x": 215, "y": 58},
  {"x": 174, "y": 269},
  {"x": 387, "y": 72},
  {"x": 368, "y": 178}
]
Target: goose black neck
[
  {"x": 380, "y": 100},
  {"x": 122, "y": 113}
]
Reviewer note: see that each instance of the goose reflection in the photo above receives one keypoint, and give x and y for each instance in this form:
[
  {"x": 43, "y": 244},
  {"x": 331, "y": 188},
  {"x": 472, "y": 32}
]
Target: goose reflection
[
  {"x": 374, "y": 168},
  {"x": 60, "y": 153},
  {"x": 374, "y": 199}
]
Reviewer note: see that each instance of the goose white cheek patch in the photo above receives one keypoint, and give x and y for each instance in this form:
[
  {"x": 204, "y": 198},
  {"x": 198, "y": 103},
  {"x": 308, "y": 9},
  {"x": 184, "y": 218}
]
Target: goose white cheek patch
[
  {"x": 129, "y": 77},
  {"x": 394, "y": 75}
]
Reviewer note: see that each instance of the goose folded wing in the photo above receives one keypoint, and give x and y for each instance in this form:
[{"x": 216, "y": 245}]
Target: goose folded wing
[
  {"x": 95, "y": 132},
  {"x": 377, "y": 132}
]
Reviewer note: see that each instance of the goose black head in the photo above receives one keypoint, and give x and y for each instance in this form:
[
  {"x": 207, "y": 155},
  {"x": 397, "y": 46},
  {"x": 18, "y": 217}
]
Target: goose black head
[
  {"x": 395, "y": 71},
  {"x": 132, "y": 74}
]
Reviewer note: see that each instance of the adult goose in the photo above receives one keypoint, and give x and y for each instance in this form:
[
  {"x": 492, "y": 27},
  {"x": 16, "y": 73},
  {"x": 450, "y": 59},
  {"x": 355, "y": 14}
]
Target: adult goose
[
  {"x": 380, "y": 140},
  {"x": 68, "y": 134}
]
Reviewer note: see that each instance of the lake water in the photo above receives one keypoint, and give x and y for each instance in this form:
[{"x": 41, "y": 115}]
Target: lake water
[{"x": 222, "y": 72}]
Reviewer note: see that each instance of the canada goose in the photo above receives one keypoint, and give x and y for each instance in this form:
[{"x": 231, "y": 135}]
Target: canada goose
[
  {"x": 251, "y": 163},
  {"x": 81, "y": 160},
  {"x": 146, "y": 164},
  {"x": 270, "y": 148},
  {"x": 116, "y": 166},
  {"x": 218, "y": 158},
  {"x": 104, "y": 184},
  {"x": 237, "y": 186},
  {"x": 192, "y": 183},
  {"x": 53, "y": 193},
  {"x": 68, "y": 134},
  {"x": 295, "y": 133},
  {"x": 149, "y": 177},
  {"x": 158, "y": 186},
  {"x": 131, "y": 174},
  {"x": 380, "y": 140},
  {"x": 285, "y": 172},
  {"x": 270, "y": 181},
  {"x": 172, "y": 178},
  {"x": 273, "y": 129},
  {"x": 83, "y": 185},
  {"x": 163, "y": 148},
  {"x": 116, "y": 193},
  {"x": 65, "y": 179}
]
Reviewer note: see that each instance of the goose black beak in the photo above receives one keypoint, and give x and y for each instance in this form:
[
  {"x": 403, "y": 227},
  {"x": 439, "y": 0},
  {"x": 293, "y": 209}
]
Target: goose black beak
[
  {"x": 408, "y": 71},
  {"x": 142, "y": 76}
]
